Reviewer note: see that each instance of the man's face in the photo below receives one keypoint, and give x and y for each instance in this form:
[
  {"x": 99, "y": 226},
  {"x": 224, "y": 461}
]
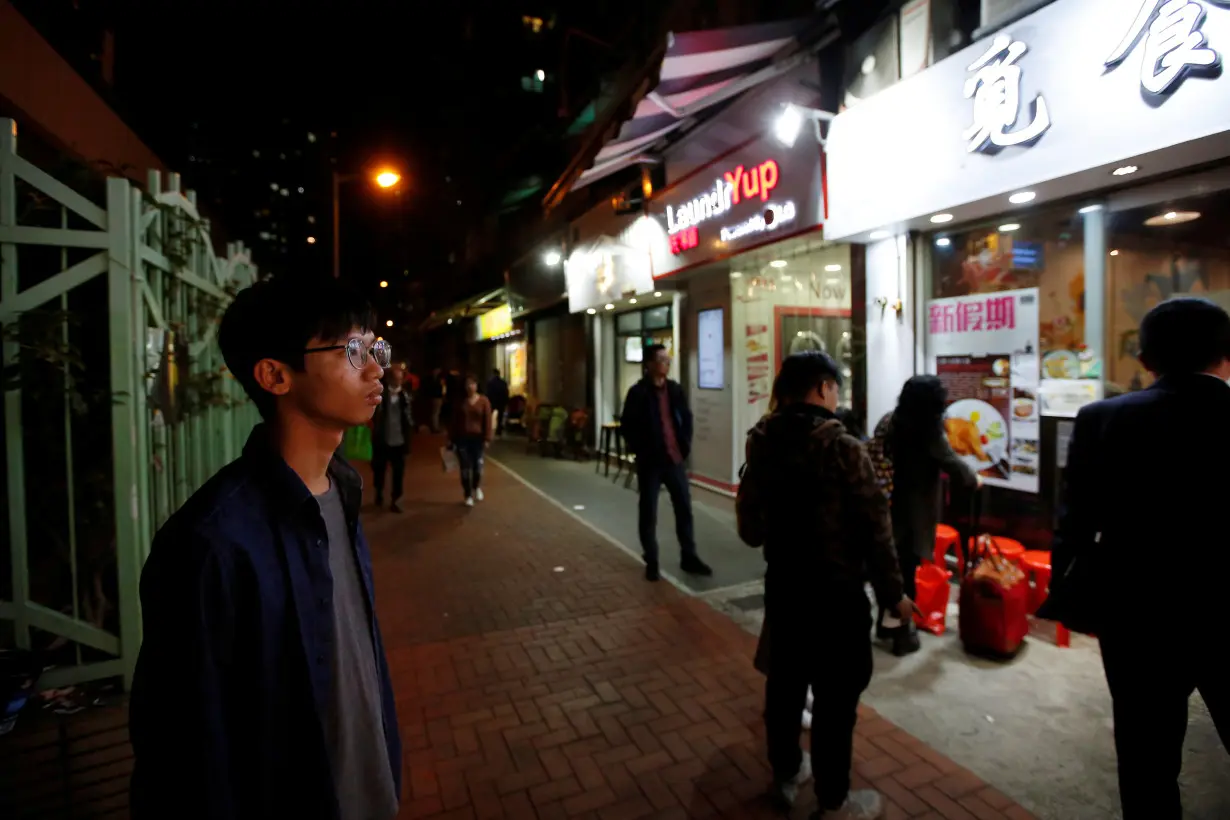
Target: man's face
[
  {"x": 331, "y": 392},
  {"x": 396, "y": 376},
  {"x": 660, "y": 364},
  {"x": 829, "y": 394}
]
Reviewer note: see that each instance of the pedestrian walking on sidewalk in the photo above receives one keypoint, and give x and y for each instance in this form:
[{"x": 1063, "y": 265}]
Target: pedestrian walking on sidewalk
[
  {"x": 1146, "y": 472},
  {"x": 918, "y": 446},
  {"x": 261, "y": 687},
  {"x": 392, "y": 427},
  {"x": 470, "y": 434},
  {"x": 497, "y": 394},
  {"x": 657, "y": 426},
  {"x": 810, "y": 494},
  {"x": 435, "y": 393}
]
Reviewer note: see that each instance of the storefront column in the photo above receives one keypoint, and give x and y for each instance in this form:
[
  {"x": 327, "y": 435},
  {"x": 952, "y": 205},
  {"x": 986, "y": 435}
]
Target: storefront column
[
  {"x": 1095, "y": 287},
  {"x": 677, "y": 330}
]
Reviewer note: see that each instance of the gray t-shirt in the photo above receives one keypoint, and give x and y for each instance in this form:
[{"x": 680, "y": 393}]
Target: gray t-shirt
[
  {"x": 354, "y": 728},
  {"x": 394, "y": 436}
]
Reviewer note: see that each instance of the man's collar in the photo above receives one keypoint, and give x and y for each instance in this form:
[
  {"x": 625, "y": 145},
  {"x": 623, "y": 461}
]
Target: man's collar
[{"x": 285, "y": 485}]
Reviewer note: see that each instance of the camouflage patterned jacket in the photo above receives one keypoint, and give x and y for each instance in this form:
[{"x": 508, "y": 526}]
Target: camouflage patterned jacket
[{"x": 824, "y": 518}]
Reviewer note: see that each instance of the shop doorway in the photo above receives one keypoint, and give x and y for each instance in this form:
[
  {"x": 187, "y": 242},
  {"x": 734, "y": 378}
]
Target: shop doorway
[{"x": 829, "y": 330}]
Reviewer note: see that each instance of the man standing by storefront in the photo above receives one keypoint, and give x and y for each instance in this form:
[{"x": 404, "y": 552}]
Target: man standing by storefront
[
  {"x": 391, "y": 429},
  {"x": 497, "y": 394},
  {"x": 1146, "y": 471},
  {"x": 657, "y": 426}
]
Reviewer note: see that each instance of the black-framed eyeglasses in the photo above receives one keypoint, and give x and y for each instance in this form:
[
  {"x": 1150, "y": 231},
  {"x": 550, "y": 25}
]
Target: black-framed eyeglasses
[{"x": 357, "y": 352}]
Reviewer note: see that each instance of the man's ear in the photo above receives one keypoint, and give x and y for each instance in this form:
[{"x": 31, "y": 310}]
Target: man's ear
[{"x": 272, "y": 376}]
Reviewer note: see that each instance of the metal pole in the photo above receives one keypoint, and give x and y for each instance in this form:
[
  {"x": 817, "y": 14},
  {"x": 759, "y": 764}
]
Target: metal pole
[{"x": 337, "y": 228}]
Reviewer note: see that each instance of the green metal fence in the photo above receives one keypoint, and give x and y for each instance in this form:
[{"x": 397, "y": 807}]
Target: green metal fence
[{"x": 137, "y": 291}]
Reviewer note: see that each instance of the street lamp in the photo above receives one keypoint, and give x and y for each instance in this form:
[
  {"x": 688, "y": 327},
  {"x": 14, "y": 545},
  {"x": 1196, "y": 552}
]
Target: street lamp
[{"x": 385, "y": 179}]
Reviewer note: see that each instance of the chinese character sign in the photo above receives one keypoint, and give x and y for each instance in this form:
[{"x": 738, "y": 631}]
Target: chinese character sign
[
  {"x": 995, "y": 88},
  {"x": 984, "y": 347},
  {"x": 1174, "y": 46}
]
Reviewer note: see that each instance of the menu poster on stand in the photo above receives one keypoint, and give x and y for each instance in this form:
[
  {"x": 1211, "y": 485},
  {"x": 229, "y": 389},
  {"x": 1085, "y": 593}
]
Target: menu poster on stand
[
  {"x": 984, "y": 348},
  {"x": 759, "y": 370}
]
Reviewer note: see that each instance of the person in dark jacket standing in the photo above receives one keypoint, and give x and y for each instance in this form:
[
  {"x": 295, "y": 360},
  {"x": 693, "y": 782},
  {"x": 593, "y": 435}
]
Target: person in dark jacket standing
[
  {"x": 261, "y": 688},
  {"x": 1147, "y": 472},
  {"x": 497, "y": 394},
  {"x": 920, "y": 451},
  {"x": 392, "y": 426},
  {"x": 435, "y": 393},
  {"x": 810, "y": 492},
  {"x": 657, "y": 426}
]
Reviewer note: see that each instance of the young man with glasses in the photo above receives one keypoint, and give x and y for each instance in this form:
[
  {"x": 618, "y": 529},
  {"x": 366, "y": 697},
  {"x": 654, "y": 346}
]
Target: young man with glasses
[{"x": 261, "y": 688}]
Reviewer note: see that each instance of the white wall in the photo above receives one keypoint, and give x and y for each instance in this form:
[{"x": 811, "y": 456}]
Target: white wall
[{"x": 891, "y": 340}]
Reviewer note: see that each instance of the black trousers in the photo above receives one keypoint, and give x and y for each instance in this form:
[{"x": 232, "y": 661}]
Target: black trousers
[
  {"x": 393, "y": 458},
  {"x": 501, "y": 414},
  {"x": 1152, "y": 673},
  {"x": 650, "y": 480},
  {"x": 470, "y": 458},
  {"x": 824, "y": 644},
  {"x": 908, "y": 562}
]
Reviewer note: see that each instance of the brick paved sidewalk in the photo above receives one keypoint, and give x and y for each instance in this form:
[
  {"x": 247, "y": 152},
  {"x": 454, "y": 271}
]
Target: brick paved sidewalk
[{"x": 537, "y": 674}]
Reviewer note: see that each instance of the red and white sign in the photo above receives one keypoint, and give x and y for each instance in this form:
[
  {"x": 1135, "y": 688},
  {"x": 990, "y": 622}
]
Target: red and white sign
[{"x": 732, "y": 188}]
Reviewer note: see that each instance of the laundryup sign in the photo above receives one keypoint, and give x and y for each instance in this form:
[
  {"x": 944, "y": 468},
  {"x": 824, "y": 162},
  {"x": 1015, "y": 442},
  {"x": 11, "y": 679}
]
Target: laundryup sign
[{"x": 733, "y": 187}]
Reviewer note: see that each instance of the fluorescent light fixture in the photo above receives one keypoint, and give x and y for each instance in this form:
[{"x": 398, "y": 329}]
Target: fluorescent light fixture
[
  {"x": 632, "y": 301},
  {"x": 1009, "y": 228},
  {"x": 1089, "y": 209},
  {"x": 551, "y": 258},
  {"x": 943, "y": 242},
  {"x": 591, "y": 311},
  {"x": 1172, "y": 218},
  {"x": 1114, "y": 253},
  {"x": 789, "y": 124},
  {"x": 940, "y": 219},
  {"x": 1021, "y": 197},
  {"x": 734, "y": 274},
  {"x": 832, "y": 268},
  {"x": 1124, "y": 170},
  {"x": 778, "y": 263},
  {"x": 879, "y": 235},
  {"x": 609, "y": 306},
  {"x": 657, "y": 294}
]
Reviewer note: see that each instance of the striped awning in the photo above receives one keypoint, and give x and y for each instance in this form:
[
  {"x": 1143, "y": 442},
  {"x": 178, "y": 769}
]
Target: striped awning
[{"x": 700, "y": 69}]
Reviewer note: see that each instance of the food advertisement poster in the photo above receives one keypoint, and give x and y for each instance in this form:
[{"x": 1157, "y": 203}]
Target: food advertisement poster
[
  {"x": 984, "y": 348},
  {"x": 759, "y": 369}
]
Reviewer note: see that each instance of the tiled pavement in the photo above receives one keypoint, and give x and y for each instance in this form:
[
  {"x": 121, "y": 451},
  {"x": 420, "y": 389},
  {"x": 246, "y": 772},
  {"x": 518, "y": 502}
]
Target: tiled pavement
[{"x": 537, "y": 674}]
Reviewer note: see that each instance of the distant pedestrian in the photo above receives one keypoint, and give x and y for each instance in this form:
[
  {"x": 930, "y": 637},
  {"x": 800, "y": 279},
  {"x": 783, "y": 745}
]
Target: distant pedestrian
[
  {"x": 497, "y": 394},
  {"x": 392, "y": 427},
  {"x": 1140, "y": 559},
  {"x": 657, "y": 425},
  {"x": 809, "y": 495},
  {"x": 470, "y": 433},
  {"x": 435, "y": 394},
  {"x": 261, "y": 687}
]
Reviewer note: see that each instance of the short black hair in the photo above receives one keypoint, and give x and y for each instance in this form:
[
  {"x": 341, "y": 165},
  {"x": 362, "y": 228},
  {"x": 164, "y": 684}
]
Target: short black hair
[
  {"x": 277, "y": 318},
  {"x": 1183, "y": 336},
  {"x": 496, "y": 372},
  {"x": 652, "y": 350},
  {"x": 801, "y": 373}
]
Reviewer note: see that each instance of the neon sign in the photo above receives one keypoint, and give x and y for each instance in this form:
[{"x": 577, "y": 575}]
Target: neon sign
[
  {"x": 685, "y": 240},
  {"x": 782, "y": 214},
  {"x": 732, "y": 188}
]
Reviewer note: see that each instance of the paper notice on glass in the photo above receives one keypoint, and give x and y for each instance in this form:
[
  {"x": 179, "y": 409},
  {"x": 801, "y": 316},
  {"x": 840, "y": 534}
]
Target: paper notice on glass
[{"x": 1063, "y": 398}]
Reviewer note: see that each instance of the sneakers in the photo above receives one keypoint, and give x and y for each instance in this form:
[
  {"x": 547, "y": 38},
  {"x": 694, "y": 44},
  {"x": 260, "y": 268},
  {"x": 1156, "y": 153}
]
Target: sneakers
[
  {"x": 860, "y": 805},
  {"x": 470, "y": 501},
  {"x": 478, "y": 495},
  {"x": 784, "y": 793},
  {"x": 398, "y": 507},
  {"x": 694, "y": 566}
]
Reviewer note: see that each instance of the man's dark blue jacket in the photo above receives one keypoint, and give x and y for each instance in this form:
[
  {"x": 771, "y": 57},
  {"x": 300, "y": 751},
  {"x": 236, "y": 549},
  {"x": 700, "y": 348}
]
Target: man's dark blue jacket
[{"x": 234, "y": 674}]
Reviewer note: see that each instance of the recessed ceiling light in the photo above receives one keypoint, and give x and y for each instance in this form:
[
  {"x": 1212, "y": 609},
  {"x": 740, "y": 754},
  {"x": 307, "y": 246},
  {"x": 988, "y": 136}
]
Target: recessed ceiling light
[
  {"x": 1009, "y": 228},
  {"x": 1124, "y": 170},
  {"x": 778, "y": 263},
  {"x": 610, "y": 306},
  {"x": 591, "y": 311},
  {"x": 786, "y": 277},
  {"x": 1114, "y": 253},
  {"x": 734, "y": 274},
  {"x": 1172, "y": 218},
  {"x": 832, "y": 268},
  {"x": 657, "y": 293},
  {"x": 1021, "y": 197},
  {"x": 940, "y": 219},
  {"x": 1088, "y": 209},
  {"x": 943, "y": 242},
  {"x": 879, "y": 235},
  {"x": 632, "y": 301}
]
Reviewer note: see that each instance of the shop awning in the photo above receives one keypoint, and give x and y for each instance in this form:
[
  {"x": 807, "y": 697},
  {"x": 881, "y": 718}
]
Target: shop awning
[
  {"x": 700, "y": 70},
  {"x": 466, "y": 309}
]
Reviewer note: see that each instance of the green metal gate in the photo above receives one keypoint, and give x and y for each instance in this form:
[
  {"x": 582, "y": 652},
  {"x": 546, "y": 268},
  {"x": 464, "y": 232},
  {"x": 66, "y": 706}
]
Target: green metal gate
[{"x": 138, "y": 287}]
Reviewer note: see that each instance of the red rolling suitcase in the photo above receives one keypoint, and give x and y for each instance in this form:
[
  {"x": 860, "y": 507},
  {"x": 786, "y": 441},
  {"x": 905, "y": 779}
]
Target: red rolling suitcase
[{"x": 994, "y": 602}]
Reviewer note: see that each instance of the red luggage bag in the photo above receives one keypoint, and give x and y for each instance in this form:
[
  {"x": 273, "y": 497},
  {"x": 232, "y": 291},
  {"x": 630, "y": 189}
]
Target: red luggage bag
[{"x": 994, "y": 604}]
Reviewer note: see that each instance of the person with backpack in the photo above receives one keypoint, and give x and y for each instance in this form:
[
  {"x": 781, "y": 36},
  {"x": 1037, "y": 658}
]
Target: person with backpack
[
  {"x": 809, "y": 495},
  {"x": 909, "y": 451}
]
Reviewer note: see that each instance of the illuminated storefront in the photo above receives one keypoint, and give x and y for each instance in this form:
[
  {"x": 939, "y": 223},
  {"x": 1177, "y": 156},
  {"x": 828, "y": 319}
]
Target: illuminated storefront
[{"x": 1072, "y": 167}]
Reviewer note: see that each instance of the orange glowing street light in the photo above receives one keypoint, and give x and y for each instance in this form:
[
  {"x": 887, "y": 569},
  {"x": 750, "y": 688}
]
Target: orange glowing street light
[{"x": 385, "y": 179}]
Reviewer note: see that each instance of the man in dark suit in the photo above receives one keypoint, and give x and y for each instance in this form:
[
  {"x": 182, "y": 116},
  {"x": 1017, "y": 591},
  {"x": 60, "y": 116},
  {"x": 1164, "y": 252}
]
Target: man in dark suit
[
  {"x": 657, "y": 425},
  {"x": 1140, "y": 555}
]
